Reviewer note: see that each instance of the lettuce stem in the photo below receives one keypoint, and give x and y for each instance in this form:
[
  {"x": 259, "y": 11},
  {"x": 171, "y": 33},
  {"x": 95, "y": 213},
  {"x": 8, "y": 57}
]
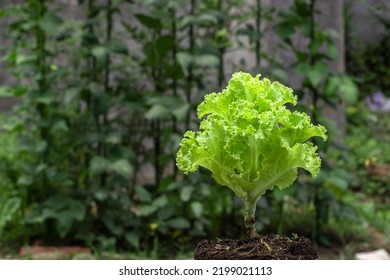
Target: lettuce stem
[{"x": 250, "y": 219}]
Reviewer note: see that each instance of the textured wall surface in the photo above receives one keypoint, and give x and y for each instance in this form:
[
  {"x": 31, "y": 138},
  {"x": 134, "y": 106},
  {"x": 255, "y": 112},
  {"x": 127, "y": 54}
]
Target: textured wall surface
[{"x": 364, "y": 24}]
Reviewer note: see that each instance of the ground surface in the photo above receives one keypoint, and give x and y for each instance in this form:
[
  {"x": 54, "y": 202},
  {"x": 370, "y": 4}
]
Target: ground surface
[
  {"x": 268, "y": 247},
  {"x": 335, "y": 251}
]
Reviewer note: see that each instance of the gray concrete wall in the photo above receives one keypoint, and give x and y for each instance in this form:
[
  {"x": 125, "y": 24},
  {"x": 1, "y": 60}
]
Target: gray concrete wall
[{"x": 364, "y": 25}]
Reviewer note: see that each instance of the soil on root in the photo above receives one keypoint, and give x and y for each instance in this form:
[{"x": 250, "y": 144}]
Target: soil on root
[{"x": 267, "y": 247}]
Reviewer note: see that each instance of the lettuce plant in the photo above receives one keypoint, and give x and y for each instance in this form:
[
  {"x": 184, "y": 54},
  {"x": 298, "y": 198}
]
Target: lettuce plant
[{"x": 250, "y": 141}]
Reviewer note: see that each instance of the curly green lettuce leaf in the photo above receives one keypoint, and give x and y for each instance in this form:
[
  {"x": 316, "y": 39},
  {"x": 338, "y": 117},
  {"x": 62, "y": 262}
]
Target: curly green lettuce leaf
[{"x": 248, "y": 138}]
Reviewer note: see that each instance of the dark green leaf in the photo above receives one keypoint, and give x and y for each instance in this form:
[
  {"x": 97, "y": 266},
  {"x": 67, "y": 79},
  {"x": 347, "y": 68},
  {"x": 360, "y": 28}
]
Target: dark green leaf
[
  {"x": 157, "y": 112},
  {"x": 64, "y": 210},
  {"x": 174, "y": 71},
  {"x": 40, "y": 168},
  {"x": 143, "y": 194},
  {"x": 71, "y": 94},
  {"x": 59, "y": 126},
  {"x": 64, "y": 224},
  {"x": 161, "y": 201},
  {"x": 207, "y": 60},
  {"x": 338, "y": 183},
  {"x": 100, "y": 52},
  {"x": 113, "y": 227},
  {"x": 157, "y": 51},
  {"x": 302, "y": 8},
  {"x": 51, "y": 22},
  {"x": 332, "y": 51},
  {"x": 25, "y": 59},
  {"x": 122, "y": 167},
  {"x": 181, "y": 112},
  {"x": 146, "y": 210},
  {"x": 45, "y": 99},
  {"x": 178, "y": 223},
  {"x": 6, "y": 91},
  {"x": 165, "y": 213},
  {"x": 316, "y": 45},
  {"x": 185, "y": 193},
  {"x": 184, "y": 59},
  {"x": 317, "y": 73},
  {"x": 302, "y": 68},
  {"x": 349, "y": 90},
  {"x": 148, "y": 21},
  {"x": 116, "y": 46},
  {"x": 8, "y": 208},
  {"x": 197, "y": 209},
  {"x": 186, "y": 21},
  {"x": 98, "y": 165},
  {"x": 314, "y": 77},
  {"x": 41, "y": 146},
  {"x": 164, "y": 45},
  {"x": 331, "y": 86},
  {"x": 107, "y": 243},
  {"x": 133, "y": 239},
  {"x": 100, "y": 194},
  {"x": 206, "y": 19},
  {"x": 285, "y": 30},
  {"x": 113, "y": 138}
]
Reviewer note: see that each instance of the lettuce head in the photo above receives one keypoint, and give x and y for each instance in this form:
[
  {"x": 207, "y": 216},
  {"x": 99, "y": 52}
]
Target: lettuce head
[{"x": 249, "y": 140}]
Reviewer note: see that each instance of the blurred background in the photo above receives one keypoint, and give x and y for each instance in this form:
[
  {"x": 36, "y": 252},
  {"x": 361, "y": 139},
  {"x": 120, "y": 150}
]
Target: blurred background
[{"x": 95, "y": 96}]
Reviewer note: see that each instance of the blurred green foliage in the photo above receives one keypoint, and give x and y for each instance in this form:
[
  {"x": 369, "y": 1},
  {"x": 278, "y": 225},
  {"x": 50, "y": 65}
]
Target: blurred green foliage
[
  {"x": 94, "y": 112},
  {"x": 369, "y": 142},
  {"x": 369, "y": 62}
]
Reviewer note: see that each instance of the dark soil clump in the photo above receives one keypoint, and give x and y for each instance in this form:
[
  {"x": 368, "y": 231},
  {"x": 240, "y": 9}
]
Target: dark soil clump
[{"x": 267, "y": 247}]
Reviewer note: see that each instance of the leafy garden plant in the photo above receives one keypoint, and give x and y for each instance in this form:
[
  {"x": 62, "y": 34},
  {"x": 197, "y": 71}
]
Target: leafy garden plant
[{"x": 250, "y": 140}]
